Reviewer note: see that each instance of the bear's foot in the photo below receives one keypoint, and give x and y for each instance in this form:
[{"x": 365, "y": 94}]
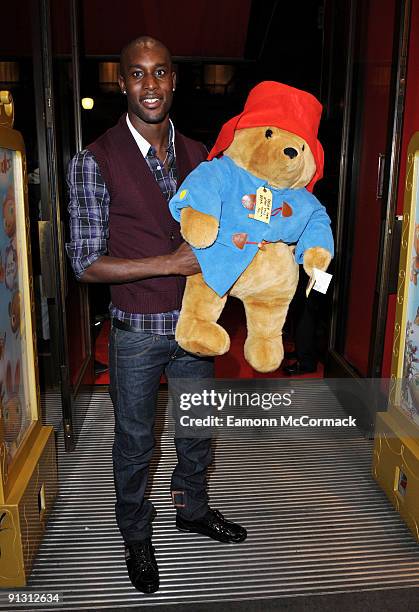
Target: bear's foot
[
  {"x": 264, "y": 354},
  {"x": 202, "y": 337}
]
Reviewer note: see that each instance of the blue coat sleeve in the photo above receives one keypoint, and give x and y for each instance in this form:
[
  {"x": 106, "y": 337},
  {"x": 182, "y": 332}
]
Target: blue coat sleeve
[
  {"x": 317, "y": 233},
  {"x": 202, "y": 190}
]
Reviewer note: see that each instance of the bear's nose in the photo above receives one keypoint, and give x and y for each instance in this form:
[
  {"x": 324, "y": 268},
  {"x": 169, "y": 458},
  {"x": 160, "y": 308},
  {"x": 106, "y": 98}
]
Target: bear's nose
[{"x": 290, "y": 152}]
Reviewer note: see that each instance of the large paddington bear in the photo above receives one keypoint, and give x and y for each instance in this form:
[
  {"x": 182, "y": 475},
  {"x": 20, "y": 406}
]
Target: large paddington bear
[{"x": 251, "y": 218}]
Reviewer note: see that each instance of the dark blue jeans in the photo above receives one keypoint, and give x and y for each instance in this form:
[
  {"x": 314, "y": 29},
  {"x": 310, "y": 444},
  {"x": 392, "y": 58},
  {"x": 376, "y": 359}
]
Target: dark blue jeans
[{"x": 137, "y": 361}]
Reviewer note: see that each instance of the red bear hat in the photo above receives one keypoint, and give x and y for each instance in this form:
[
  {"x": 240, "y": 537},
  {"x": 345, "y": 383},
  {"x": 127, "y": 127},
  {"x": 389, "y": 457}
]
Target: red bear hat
[{"x": 282, "y": 106}]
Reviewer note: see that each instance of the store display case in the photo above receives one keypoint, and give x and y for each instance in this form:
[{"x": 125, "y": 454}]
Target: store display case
[
  {"x": 28, "y": 473},
  {"x": 396, "y": 449}
]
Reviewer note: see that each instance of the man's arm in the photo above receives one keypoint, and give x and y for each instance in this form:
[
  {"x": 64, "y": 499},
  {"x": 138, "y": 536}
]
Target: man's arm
[
  {"x": 115, "y": 270},
  {"x": 89, "y": 231}
]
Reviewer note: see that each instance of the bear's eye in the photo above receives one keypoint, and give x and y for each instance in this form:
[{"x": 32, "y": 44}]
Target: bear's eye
[
  {"x": 268, "y": 134},
  {"x": 302, "y": 148}
]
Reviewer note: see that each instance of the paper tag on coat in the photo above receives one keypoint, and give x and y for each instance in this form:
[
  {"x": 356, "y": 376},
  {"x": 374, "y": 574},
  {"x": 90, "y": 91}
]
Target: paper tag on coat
[
  {"x": 319, "y": 281},
  {"x": 263, "y": 206}
]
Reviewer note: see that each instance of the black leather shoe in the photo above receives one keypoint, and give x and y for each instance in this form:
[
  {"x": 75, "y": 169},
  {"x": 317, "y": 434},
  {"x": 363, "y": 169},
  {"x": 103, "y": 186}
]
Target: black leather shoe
[
  {"x": 215, "y": 526},
  {"x": 296, "y": 369},
  {"x": 142, "y": 566}
]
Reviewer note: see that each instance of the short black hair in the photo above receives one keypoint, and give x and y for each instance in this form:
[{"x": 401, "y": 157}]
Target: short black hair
[{"x": 141, "y": 40}]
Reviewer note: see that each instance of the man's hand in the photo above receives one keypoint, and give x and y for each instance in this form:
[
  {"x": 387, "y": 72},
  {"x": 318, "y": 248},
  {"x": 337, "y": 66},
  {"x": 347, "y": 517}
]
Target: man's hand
[{"x": 183, "y": 261}]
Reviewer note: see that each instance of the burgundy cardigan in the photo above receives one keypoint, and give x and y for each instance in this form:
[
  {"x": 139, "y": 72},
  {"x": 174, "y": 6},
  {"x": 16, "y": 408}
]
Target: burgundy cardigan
[{"x": 140, "y": 224}]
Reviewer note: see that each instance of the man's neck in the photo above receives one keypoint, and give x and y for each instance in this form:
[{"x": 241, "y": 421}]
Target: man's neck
[{"x": 156, "y": 134}]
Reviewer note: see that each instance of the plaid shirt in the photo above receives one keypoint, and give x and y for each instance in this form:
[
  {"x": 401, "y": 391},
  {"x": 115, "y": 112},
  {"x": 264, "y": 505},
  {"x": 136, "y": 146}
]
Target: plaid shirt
[{"x": 89, "y": 223}]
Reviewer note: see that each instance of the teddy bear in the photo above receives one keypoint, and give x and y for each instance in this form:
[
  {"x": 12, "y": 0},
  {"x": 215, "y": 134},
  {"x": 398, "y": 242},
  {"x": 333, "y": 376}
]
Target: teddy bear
[
  {"x": 9, "y": 213},
  {"x": 250, "y": 217},
  {"x": 11, "y": 415},
  {"x": 14, "y": 312}
]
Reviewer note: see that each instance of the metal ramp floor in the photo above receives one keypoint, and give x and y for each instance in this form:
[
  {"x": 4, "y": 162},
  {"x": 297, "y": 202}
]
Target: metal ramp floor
[{"x": 316, "y": 520}]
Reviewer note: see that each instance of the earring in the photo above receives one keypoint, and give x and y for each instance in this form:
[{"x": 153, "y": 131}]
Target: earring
[
  {"x": 173, "y": 89},
  {"x": 125, "y": 92}
]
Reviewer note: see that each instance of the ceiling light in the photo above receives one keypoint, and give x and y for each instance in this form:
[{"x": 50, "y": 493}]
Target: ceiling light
[{"x": 87, "y": 103}]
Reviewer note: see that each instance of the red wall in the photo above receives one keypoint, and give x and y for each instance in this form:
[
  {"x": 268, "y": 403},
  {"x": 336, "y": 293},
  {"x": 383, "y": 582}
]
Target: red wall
[
  {"x": 410, "y": 126},
  {"x": 201, "y": 28}
]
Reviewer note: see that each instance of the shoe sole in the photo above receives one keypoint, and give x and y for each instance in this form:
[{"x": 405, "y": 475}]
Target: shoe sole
[
  {"x": 185, "y": 530},
  {"x": 147, "y": 589}
]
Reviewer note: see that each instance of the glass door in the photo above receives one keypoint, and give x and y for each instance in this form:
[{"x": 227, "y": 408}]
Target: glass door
[{"x": 368, "y": 161}]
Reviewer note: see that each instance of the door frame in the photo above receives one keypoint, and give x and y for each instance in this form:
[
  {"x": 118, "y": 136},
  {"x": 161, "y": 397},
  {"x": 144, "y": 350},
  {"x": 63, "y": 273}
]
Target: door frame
[
  {"x": 53, "y": 256},
  {"x": 336, "y": 364}
]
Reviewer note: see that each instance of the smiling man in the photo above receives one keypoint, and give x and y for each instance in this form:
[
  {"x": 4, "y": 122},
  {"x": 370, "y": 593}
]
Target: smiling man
[
  {"x": 122, "y": 233},
  {"x": 148, "y": 83}
]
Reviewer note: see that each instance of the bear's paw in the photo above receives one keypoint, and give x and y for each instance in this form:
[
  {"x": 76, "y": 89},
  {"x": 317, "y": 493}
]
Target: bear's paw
[
  {"x": 198, "y": 228},
  {"x": 316, "y": 257}
]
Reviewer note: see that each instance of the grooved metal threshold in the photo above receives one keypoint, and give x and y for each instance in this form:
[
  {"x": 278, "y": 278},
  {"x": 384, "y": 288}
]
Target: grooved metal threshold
[{"x": 317, "y": 522}]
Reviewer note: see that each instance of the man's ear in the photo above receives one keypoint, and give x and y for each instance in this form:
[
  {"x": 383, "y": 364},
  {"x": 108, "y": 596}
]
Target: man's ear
[
  {"x": 174, "y": 80},
  {"x": 121, "y": 82}
]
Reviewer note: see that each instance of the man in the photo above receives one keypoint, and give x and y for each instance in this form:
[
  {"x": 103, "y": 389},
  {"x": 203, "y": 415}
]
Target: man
[{"x": 122, "y": 233}]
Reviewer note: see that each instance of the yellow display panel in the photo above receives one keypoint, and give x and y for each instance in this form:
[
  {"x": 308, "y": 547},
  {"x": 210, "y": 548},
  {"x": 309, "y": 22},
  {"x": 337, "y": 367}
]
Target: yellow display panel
[
  {"x": 396, "y": 449},
  {"x": 18, "y": 392},
  {"x": 28, "y": 472},
  {"x": 405, "y": 359}
]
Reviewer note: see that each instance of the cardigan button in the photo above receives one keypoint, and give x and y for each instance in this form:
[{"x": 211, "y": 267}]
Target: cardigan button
[{"x": 172, "y": 236}]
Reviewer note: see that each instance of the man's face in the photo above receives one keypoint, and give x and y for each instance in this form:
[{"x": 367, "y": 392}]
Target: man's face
[{"x": 148, "y": 79}]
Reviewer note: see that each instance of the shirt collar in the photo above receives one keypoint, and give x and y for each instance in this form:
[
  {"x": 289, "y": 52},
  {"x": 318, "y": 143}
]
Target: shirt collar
[{"x": 143, "y": 144}]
